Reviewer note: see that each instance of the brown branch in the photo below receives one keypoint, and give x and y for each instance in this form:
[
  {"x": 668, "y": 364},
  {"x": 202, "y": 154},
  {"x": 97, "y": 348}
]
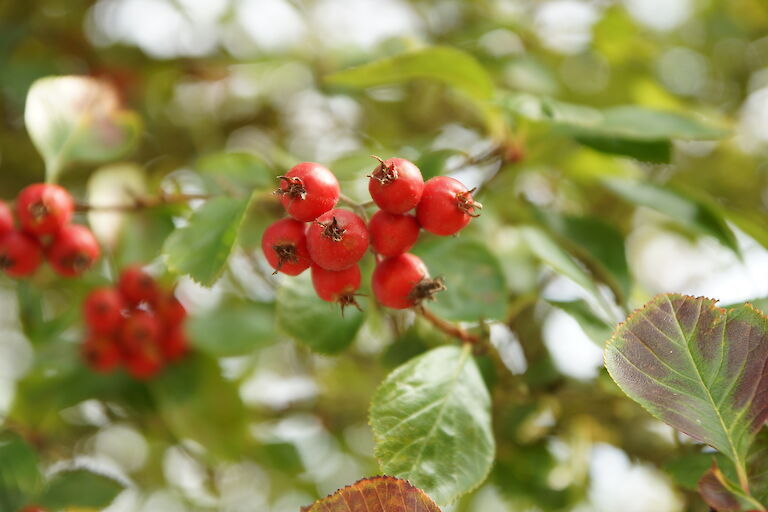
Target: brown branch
[
  {"x": 447, "y": 327},
  {"x": 142, "y": 203}
]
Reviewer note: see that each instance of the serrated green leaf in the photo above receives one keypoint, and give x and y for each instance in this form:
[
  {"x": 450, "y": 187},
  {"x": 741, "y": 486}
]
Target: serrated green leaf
[
  {"x": 302, "y": 315},
  {"x": 697, "y": 367},
  {"x": 686, "y": 470},
  {"x": 202, "y": 247},
  {"x": 473, "y": 277},
  {"x": 449, "y": 65},
  {"x": 232, "y": 329},
  {"x": 598, "y": 330},
  {"x": 595, "y": 242},
  {"x": 20, "y": 475},
  {"x": 79, "y": 488},
  {"x": 376, "y": 494},
  {"x": 692, "y": 213},
  {"x": 197, "y": 403},
  {"x": 432, "y": 425},
  {"x": 78, "y": 118},
  {"x": 245, "y": 171}
]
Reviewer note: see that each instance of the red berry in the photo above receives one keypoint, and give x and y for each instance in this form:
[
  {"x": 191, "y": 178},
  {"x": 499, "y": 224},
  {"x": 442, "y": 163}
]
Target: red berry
[
  {"x": 145, "y": 363},
  {"x": 285, "y": 246},
  {"x": 140, "y": 330},
  {"x": 101, "y": 354},
  {"x": 446, "y": 206},
  {"x": 20, "y": 254},
  {"x": 170, "y": 311},
  {"x": 33, "y": 508},
  {"x": 337, "y": 240},
  {"x": 6, "y": 219},
  {"x": 137, "y": 286},
  {"x": 73, "y": 251},
  {"x": 403, "y": 281},
  {"x": 393, "y": 234},
  {"x": 44, "y": 209},
  {"x": 336, "y": 286},
  {"x": 103, "y": 310},
  {"x": 174, "y": 344},
  {"x": 396, "y": 185},
  {"x": 308, "y": 190}
]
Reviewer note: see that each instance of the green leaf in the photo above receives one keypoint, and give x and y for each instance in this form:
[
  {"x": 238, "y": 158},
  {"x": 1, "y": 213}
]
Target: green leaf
[
  {"x": 79, "y": 488},
  {"x": 687, "y": 469},
  {"x": 655, "y": 151},
  {"x": 432, "y": 163},
  {"x": 232, "y": 329},
  {"x": 761, "y": 304},
  {"x": 197, "y": 403},
  {"x": 223, "y": 171},
  {"x": 78, "y": 118},
  {"x": 376, "y": 494},
  {"x": 694, "y": 214},
  {"x": 548, "y": 251},
  {"x": 595, "y": 242},
  {"x": 639, "y": 123},
  {"x": 598, "y": 330},
  {"x": 432, "y": 424},
  {"x": 449, "y": 65},
  {"x": 202, "y": 247},
  {"x": 699, "y": 368},
  {"x": 20, "y": 475},
  {"x": 312, "y": 321},
  {"x": 473, "y": 276}
]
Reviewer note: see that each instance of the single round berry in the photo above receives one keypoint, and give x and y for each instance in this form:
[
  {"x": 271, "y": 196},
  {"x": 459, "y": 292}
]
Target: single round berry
[
  {"x": 396, "y": 185},
  {"x": 20, "y": 254},
  {"x": 138, "y": 331},
  {"x": 336, "y": 286},
  {"x": 137, "y": 286},
  {"x": 170, "y": 311},
  {"x": 73, "y": 251},
  {"x": 285, "y": 246},
  {"x": 308, "y": 190},
  {"x": 337, "y": 240},
  {"x": 6, "y": 219},
  {"x": 33, "y": 508},
  {"x": 145, "y": 363},
  {"x": 102, "y": 310},
  {"x": 392, "y": 234},
  {"x": 173, "y": 345},
  {"x": 403, "y": 281},
  {"x": 446, "y": 206},
  {"x": 101, "y": 354},
  {"x": 43, "y": 209}
]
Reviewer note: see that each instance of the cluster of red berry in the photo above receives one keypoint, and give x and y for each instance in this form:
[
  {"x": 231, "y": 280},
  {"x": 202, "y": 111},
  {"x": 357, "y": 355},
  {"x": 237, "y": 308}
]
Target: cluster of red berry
[
  {"x": 335, "y": 240},
  {"x": 136, "y": 324},
  {"x": 44, "y": 213}
]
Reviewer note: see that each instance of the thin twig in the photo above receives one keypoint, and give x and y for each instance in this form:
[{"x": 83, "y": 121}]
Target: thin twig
[
  {"x": 354, "y": 205},
  {"x": 447, "y": 327},
  {"x": 141, "y": 203}
]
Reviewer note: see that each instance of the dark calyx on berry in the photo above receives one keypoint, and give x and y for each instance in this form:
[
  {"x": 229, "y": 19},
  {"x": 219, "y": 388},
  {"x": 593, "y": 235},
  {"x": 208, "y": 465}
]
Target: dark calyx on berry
[
  {"x": 384, "y": 173},
  {"x": 426, "y": 289},
  {"x": 294, "y": 188},
  {"x": 467, "y": 204},
  {"x": 332, "y": 230},
  {"x": 286, "y": 253}
]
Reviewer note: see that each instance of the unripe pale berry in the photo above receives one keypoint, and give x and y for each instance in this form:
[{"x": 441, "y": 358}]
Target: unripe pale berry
[
  {"x": 446, "y": 206},
  {"x": 392, "y": 234},
  {"x": 308, "y": 190},
  {"x": 403, "y": 281},
  {"x": 20, "y": 254},
  {"x": 102, "y": 310},
  {"x": 338, "y": 286},
  {"x": 43, "y": 208},
  {"x": 396, "y": 185},
  {"x": 137, "y": 286},
  {"x": 73, "y": 251},
  {"x": 337, "y": 240},
  {"x": 285, "y": 246}
]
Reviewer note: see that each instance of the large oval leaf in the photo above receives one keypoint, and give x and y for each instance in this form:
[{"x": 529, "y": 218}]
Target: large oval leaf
[
  {"x": 699, "y": 368},
  {"x": 79, "y": 488},
  {"x": 431, "y": 422},
  {"x": 377, "y": 494},
  {"x": 78, "y": 118},
  {"x": 20, "y": 475}
]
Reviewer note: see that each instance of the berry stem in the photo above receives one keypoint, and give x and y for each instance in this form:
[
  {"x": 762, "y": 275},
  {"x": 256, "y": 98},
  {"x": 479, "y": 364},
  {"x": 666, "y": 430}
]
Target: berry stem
[
  {"x": 447, "y": 327},
  {"x": 141, "y": 203},
  {"x": 359, "y": 208}
]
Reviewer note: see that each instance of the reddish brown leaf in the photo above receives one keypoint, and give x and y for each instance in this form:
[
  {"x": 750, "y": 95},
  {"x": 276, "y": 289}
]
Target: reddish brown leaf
[{"x": 376, "y": 494}]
